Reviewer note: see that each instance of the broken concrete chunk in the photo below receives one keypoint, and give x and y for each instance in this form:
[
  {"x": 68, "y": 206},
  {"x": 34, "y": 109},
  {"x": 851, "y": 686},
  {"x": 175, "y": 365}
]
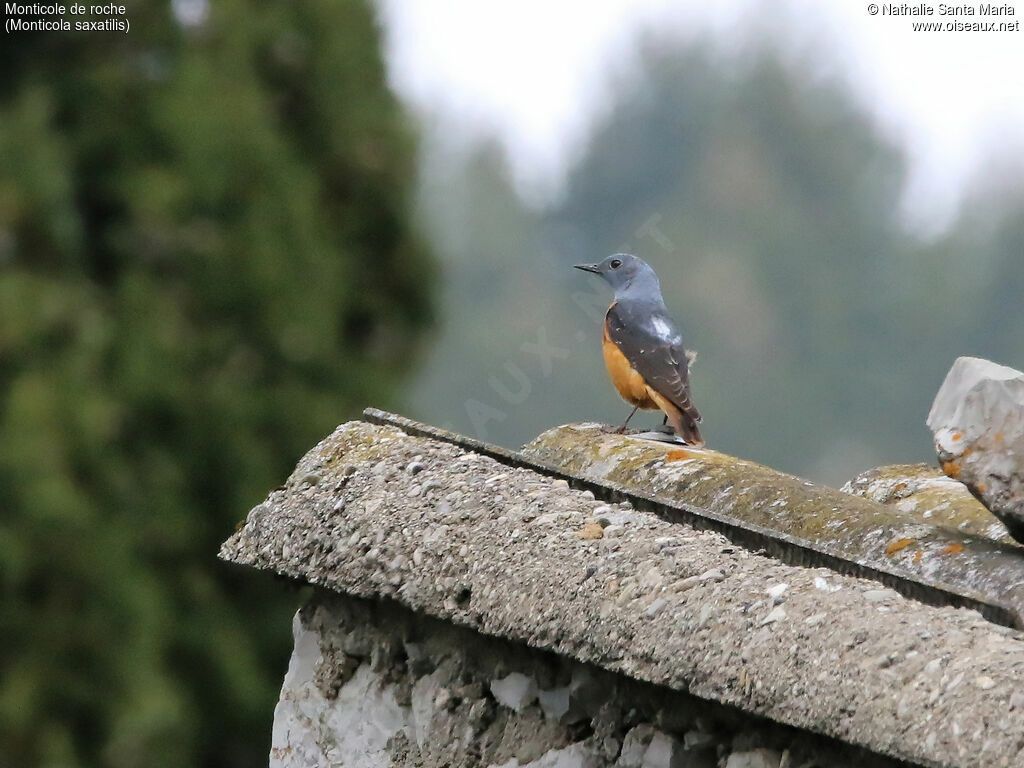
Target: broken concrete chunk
[
  {"x": 635, "y": 745},
  {"x": 755, "y": 758},
  {"x": 977, "y": 423},
  {"x": 514, "y": 691},
  {"x": 555, "y": 702},
  {"x": 573, "y": 756},
  {"x": 664, "y": 751}
]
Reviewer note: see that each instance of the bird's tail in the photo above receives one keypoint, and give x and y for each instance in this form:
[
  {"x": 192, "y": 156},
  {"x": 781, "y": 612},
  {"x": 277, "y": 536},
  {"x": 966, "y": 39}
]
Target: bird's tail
[{"x": 684, "y": 424}]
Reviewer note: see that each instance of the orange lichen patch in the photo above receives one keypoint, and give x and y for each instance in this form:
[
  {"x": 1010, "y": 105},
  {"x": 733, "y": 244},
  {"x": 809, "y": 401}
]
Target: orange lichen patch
[
  {"x": 897, "y": 545},
  {"x": 997, "y": 437},
  {"x": 952, "y": 469},
  {"x": 980, "y": 487},
  {"x": 957, "y": 436},
  {"x": 678, "y": 455},
  {"x": 952, "y": 549},
  {"x": 918, "y": 555}
]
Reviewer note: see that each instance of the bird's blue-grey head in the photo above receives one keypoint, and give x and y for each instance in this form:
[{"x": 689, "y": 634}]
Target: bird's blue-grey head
[{"x": 630, "y": 276}]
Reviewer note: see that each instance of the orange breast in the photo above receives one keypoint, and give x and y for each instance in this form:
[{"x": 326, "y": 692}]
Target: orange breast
[{"x": 627, "y": 381}]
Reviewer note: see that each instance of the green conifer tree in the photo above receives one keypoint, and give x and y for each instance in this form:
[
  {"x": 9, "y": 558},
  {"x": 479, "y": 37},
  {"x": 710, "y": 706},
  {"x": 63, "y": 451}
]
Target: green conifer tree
[{"x": 206, "y": 262}]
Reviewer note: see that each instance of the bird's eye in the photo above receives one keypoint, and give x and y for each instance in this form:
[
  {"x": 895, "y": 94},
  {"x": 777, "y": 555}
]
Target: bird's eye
[{"x": 615, "y": 264}]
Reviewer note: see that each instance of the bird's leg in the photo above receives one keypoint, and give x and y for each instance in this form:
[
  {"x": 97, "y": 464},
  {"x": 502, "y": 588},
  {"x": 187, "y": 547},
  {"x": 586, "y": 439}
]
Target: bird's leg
[
  {"x": 622, "y": 429},
  {"x": 665, "y": 427}
]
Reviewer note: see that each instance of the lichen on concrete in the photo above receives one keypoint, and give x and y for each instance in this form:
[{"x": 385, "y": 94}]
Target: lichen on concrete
[
  {"x": 977, "y": 423},
  {"x": 930, "y": 496},
  {"x": 374, "y": 513},
  {"x": 887, "y": 537}
]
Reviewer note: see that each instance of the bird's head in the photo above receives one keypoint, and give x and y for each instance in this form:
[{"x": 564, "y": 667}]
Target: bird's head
[{"x": 627, "y": 274}]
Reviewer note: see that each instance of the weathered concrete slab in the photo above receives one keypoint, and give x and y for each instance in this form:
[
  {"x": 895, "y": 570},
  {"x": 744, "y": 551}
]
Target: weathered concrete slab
[
  {"x": 886, "y": 538},
  {"x": 977, "y": 421},
  {"x": 374, "y": 513}
]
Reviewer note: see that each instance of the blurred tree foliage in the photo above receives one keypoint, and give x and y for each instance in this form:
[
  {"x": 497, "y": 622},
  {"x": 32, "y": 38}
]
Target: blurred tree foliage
[
  {"x": 769, "y": 203},
  {"x": 206, "y": 263}
]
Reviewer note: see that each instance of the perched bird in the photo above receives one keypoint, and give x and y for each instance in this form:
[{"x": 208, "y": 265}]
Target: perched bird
[{"x": 643, "y": 350}]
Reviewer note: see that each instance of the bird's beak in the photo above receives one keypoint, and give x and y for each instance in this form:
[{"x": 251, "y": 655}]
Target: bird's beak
[{"x": 588, "y": 268}]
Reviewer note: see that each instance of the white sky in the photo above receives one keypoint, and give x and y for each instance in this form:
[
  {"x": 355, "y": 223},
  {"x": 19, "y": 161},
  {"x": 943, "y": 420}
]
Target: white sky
[{"x": 533, "y": 73}]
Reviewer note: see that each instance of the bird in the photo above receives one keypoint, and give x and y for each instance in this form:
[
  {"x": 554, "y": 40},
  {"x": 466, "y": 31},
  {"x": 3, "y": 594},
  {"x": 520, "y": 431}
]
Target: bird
[{"x": 643, "y": 349}]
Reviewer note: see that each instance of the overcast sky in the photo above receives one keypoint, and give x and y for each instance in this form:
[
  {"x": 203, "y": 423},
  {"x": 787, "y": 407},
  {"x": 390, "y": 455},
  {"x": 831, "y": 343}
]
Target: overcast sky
[{"x": 535, "y": 73}]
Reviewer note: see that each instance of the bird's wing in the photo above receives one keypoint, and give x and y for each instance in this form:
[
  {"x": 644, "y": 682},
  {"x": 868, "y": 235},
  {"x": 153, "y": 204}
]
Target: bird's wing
[{"x": 653, "y": 346}]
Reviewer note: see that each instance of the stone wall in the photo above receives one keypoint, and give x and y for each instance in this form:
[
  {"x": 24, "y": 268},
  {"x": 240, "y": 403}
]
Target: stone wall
[{"x": 372, "y": 684}]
